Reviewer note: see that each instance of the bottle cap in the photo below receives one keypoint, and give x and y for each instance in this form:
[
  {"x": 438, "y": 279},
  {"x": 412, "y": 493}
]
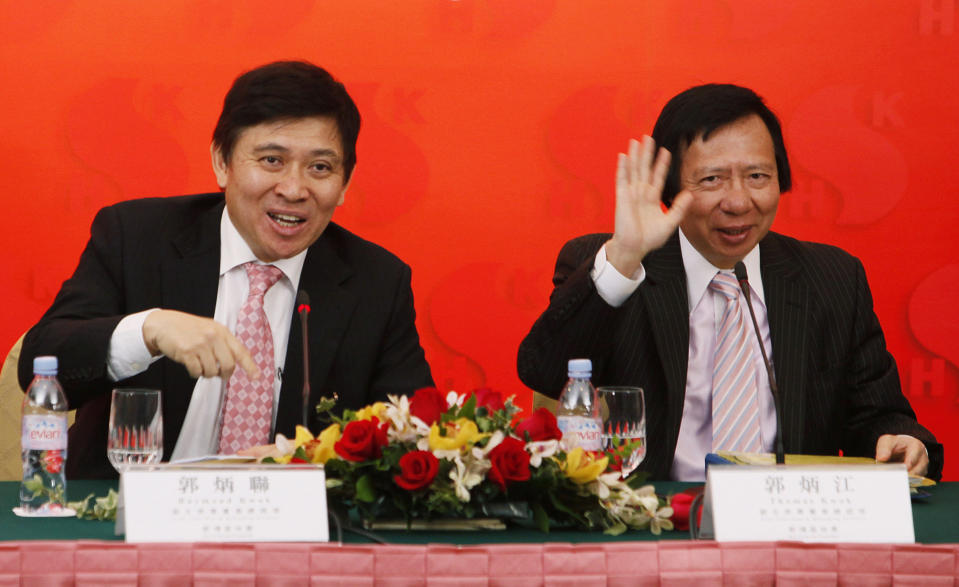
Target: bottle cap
[
  {"x": 45, "y": 365},
  {"x": 580, "y": 368}
]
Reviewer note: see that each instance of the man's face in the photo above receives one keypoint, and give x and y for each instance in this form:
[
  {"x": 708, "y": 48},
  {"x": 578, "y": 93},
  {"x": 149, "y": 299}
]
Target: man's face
[
  {"x": 735, "y": 188},
  {"x": 283, "y": 182}
]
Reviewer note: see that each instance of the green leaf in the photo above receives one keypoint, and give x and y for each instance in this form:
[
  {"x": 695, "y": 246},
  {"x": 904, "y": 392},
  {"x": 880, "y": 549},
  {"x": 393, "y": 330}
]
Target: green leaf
[
  {"x": 616, "y": 529},
  {"x": 104, "y": 508},
  {"x": 469, "y": 408},
  {"x": 540, "y": 517},
  {"x": 365, "y": 491},
  {"x": 35, "y": 485},
  {"x": 80, "y": 506},
  {"x": 637, "y": 479},
  {"x": 325, "y": 405}
]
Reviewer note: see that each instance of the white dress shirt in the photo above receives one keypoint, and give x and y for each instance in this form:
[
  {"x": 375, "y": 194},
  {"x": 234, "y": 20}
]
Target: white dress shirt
[
  {"x": 705, "y": 307},
  {"x": 128, "y": 354}
]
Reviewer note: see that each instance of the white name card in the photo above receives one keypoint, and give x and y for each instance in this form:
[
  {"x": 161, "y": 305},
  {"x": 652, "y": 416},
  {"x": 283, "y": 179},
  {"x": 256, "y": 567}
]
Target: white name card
[
  {"x": 203, "y": 503},
  {"x": 827, "y": 503}
]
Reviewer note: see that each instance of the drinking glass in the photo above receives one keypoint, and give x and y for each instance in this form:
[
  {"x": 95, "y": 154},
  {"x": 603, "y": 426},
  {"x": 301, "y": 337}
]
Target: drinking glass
[
  {"x": 624, "y": 423},
  {"x": 136, "y": 428}
]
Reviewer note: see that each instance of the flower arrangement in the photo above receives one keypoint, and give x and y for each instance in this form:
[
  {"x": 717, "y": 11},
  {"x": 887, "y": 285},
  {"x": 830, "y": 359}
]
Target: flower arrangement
[{"x": 438, "y": 455}]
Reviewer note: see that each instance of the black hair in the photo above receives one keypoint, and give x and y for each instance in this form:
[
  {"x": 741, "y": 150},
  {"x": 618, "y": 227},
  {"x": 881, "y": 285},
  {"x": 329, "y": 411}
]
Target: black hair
[
  {"x": 698, "y": 112},
  {"x": 287, "y": 90}
]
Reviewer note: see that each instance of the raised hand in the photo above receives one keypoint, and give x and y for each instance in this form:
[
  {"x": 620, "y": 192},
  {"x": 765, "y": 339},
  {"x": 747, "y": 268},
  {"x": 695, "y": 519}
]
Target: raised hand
[
  {"x": 641, "y": 225},
  {"x": 205, "y": 347}
]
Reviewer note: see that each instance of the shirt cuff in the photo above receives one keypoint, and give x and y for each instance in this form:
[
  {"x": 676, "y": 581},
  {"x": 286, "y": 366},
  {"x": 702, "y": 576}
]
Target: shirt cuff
[
  {"x": 611, "y": 285},
  {"x": 128, "y": 353}
]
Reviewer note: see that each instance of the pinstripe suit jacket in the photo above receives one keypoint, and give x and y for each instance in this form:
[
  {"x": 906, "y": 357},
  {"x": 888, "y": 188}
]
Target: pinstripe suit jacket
[
  {"x": 839, "y": 385},
  {"x": 165, "y": 253}
]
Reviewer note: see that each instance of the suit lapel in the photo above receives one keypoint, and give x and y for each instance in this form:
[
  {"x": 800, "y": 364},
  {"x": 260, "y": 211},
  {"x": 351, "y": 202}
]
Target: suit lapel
[
  {"x": 787, "y": 306},
  {"x": 664, "y": 294},
  {"x": 325, "y": 279}
]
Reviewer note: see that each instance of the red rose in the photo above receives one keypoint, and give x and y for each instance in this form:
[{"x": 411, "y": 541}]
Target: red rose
[
  {"x": 362, "y": 440},
  {"x": 489, "y": 399},
  {"x": 541, "y": 425},
  {"x": 417, "y": 470},
  {"x": 428, "y": 404},
  {"x": 53, "y": 461},
  {"x": 510, "y": 462},
  {"x": 680, "y": 504}
]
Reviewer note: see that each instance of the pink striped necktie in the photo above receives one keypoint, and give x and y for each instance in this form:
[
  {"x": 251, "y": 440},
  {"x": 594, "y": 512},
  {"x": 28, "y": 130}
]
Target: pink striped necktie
[
  {"x": 248, "y": 410},
  {"x": 735, "y": 405}
]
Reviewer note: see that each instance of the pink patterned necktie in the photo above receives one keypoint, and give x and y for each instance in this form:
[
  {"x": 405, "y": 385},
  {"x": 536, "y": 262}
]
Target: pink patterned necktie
[
  {"x": 248, "y": 410},
  {"x": 735, "y": 405}
]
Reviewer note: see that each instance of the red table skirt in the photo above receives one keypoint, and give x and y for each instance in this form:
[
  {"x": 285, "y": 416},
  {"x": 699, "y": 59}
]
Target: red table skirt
[{"x": 579, "y": 565}]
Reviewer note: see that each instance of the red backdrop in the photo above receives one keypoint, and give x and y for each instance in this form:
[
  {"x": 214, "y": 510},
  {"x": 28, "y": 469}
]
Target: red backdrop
[{"x": 490, "y": 134}]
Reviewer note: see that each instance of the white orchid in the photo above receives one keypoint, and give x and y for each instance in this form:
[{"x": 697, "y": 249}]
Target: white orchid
[
  {"x": 540, "y": 450},
  {"x": 661, "y": 520},
  {"x": 480, "y": 453},
  {"x": 466, "y": 477},
  {"x": 606, "y": 484},
  {"x": 404, "y": 427}
]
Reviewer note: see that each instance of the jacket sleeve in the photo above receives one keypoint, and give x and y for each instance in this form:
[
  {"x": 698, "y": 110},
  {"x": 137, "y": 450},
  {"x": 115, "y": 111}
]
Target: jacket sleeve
[
  {"x": 576, "y": 324},
  {"x": 401, "y": 367},
  {"x": 875, "y": 404},
  {"x": 77, "y": 327}
]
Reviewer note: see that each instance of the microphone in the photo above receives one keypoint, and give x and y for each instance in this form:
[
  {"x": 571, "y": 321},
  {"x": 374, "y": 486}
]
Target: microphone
[
  {"x": 303, "y": 309},
  {"x": 740, "y": 271}
]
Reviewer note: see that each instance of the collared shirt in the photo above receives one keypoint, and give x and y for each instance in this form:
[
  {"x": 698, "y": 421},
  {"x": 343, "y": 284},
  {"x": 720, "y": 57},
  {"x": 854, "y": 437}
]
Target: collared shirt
[
  {"x": 128, "y": 354},
  {"x": 705, "y": 311}
]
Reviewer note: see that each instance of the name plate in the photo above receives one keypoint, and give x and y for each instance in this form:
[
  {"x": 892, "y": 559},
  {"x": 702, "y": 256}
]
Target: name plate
[
  {"x": 860, "y": 503},
  {"x": 204, "y": 503}
]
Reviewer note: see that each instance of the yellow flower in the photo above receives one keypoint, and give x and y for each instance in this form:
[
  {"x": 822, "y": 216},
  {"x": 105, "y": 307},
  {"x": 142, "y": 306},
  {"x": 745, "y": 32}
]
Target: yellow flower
[
  {"x": 302, "y": 437},
  {"x": 458, "y": 434},
  {"x": 582, "y": 467},
  {"x": 378, "y": 409},
  {"x": 323, "y": 451}
]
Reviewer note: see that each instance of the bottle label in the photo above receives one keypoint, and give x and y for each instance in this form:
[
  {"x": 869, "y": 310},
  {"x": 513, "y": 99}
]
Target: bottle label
[
  {"x": 43, "y": 432},
  {"x": 580, "y": 431}
]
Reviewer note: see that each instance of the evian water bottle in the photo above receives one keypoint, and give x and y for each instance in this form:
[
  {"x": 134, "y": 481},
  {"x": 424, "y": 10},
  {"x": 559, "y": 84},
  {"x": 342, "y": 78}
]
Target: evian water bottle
[
  {"x": 43, "y": 443},
  {"x": 577, "y": 414}
]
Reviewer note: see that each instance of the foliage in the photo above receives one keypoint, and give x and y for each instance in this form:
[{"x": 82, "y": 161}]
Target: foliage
[
  {"x": 456, "y": 456},
  {"x": 102, "y": 508}
]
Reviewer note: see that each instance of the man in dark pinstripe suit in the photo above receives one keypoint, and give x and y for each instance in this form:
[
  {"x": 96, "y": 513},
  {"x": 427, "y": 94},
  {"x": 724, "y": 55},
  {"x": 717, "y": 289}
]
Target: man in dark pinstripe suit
[{"x": 637, "y": 302}]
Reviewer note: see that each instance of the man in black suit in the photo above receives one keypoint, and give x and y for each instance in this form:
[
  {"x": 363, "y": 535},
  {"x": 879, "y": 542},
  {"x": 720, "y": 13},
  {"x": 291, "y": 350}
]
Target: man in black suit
[
  {"x": 638, "y": 302},
  {"x": 154, "y": 301}
]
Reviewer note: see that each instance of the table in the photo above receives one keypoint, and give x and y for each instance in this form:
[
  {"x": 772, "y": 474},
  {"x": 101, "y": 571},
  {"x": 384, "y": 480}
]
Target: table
[{"x": 70, "y": 551}]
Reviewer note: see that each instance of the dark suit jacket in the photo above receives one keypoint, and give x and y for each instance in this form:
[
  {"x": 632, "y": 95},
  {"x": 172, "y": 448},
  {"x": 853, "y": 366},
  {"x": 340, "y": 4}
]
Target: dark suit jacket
[
  {"x": 839, "y": 386},
  {"x": 165, "y": 252}
]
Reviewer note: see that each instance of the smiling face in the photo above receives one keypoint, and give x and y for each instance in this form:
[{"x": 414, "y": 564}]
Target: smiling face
[
  {"x": 735, "y": 188},
  {"x": 282, "y": 183}
]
